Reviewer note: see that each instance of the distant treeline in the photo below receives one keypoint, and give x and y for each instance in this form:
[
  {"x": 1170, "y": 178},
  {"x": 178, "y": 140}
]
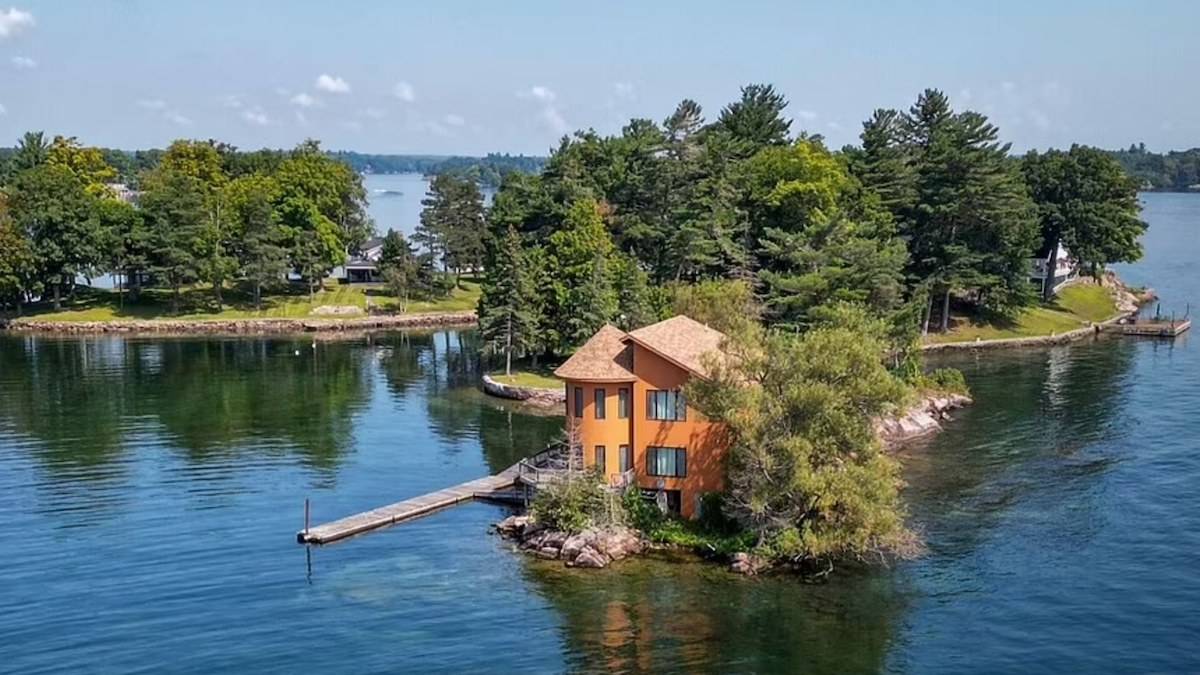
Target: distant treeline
[
  {"x": 486, "y": 171},
  {"x": 1174, "y": 171}
]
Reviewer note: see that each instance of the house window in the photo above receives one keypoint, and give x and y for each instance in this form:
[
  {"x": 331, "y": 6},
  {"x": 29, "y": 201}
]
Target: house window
[
  {"x": 665, "y": 405},
  {"x": 623, "y": 403},
  {"x": 600, "y": 458},
  {"x": 579, "y": 401},
  {"x": 668, "y": 462},
  {"x": 626, "y": 458},
  {"x": 599, "y": 394}
]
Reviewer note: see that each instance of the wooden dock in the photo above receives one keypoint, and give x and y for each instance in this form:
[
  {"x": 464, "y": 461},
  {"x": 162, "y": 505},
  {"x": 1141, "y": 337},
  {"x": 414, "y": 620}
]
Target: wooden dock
[
  {"x": 501, "y": 486},
  {"x": 1168, "y": 329},
  {"x": 513, "y": 485}
]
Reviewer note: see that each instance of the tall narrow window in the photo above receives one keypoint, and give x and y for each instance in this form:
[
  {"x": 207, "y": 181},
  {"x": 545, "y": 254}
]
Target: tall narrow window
[
  {"x": 599, "y": 407},
  {"x": 623, "y": 403},
  {"x": 667, "y": 462},
  {"x": 626, "y": 458},
  {"x": 600, "y": 459},
  {"x": 666, "y": 405},
  {"x": 579, "y": 401}
]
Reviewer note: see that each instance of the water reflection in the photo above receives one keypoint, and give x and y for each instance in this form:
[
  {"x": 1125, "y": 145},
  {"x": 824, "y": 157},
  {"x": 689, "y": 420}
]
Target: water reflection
[
  {"x": 83, "y": 403},
  {"x": 1041, "y": 417},
  {"x": 657, "y": 616}
]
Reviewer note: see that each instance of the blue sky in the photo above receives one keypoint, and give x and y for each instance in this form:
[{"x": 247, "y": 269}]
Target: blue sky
[{"x": 471, "y": 77}]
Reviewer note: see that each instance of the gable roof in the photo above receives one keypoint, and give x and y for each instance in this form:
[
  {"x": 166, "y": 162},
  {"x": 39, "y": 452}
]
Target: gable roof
[
  {"x": 605, "y": 357},
  {"x": 681, "y": 340}
]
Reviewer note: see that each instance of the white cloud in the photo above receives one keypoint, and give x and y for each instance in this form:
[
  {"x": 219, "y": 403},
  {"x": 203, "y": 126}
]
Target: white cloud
[
  {"x": 332, "y": 84},
  {"x": 624, "y": 90},
  {"x": 544, "y": 94},
  {"x": 232, "y": 101},
  {"x": 305, "y": 100},
  {"x": 3, "y": 110},
  {"x": 301, "y": 118},
  {"x": 806, "y": 115},
  {"x": 549, "y": 114},
  {"x": 176, "y": 118},
  {"x": 160, "y": 107},
  {"x": 834, "y": 126},
  {"x": 14, "y": 21},
  {"x": 256, "y": 116},
  {"x": 404, "y": 91},
  {"x": 454, "y": 120},
  {"x": 374, "y": 113},
  {"x": 23, "y": 62},
  {"x": 352, "y": 125}
]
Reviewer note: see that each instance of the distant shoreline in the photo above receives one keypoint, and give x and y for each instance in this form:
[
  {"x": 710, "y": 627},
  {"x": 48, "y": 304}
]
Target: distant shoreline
[{"x": 239, "y": 326}]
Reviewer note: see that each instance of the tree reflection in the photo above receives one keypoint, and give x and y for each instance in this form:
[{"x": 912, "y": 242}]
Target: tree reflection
[
  {"x": 1040, "y": 416},
  {"x": 656, "y": 616}
]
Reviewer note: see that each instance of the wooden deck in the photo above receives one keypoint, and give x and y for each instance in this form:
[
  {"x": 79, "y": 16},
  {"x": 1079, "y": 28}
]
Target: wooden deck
[{"x": 498, "y": 487}]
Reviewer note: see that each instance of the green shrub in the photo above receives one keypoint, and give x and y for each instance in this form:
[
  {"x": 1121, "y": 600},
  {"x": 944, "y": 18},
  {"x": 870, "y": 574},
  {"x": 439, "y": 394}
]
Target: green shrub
[
  {"x": 945, "y": 379},
  {"x": 572, "y": 504}
]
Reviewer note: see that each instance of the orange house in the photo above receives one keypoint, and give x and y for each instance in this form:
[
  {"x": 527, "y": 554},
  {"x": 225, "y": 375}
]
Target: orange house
[{"x": 625, "y": 398}]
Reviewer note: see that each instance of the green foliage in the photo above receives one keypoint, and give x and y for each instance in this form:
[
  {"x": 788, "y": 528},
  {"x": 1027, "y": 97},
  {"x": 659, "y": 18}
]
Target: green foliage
[
  {"x": 452, "y": 225},
  {"x": 582, "y": 294},
  {"x": 399, "y": 266},
  {"x": 52, "y": 206},
  {"x": 959, "y": 201},
  {"x": 1086, "y": 201},
  {"x": 572, "y": 504},
  {"x": 727, "y": 306},
  {"x": 17, "y": 262},
  {"x": 806, "y": 474},
  {"x": 713, "y": 532},
  {"x": 812, "y": 251},
  {"x": 949, "y": 380},
  {"x": 509, "y": 311},
  {"x": 1177, "y": 170}
]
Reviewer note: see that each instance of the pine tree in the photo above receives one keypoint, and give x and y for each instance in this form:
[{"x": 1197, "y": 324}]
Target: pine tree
[
  {"x": 583, "y": 297},
  {"x": 264, "y": 259},
  {"x": 971, "y": 227},
  {"x": 756, "y": 120},
  {"x": 508, "y": 320},
  {"x": 175, "y": 205}
]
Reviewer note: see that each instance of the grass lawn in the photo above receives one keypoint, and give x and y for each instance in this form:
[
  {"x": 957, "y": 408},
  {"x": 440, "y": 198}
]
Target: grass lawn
[
  {"x": 519, "y": 378},
  {"x": 197, "y": 304},
  {"x": 1076, "y": 306}
]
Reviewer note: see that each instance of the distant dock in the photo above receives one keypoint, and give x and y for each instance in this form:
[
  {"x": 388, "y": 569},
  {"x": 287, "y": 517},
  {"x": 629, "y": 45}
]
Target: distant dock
[{"x": 1160, "y": 326}]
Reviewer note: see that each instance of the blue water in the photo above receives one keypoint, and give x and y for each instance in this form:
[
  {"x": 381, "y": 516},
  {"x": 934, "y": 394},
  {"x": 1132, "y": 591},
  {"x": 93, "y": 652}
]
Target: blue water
[{"x": 150, "y": 490}]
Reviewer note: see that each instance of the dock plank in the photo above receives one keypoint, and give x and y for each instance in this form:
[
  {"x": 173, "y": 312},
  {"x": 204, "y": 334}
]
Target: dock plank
[{"x": 408, "y": 509}]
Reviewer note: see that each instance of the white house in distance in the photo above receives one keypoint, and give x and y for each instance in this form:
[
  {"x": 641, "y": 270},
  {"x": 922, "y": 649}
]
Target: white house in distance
[
  {"x": 362, "y": 267},
  {"x": 1065, "y": 268}
]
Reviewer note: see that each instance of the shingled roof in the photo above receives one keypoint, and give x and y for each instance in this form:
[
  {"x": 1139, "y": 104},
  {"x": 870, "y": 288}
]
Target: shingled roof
[
  {"x": 682, "y": 340},
  {"x": 608, "y": 355},
  {"x": 604, "y": 358}
]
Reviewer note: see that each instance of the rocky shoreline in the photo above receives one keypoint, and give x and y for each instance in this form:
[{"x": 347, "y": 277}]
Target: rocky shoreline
[
  {"x": 546, "y": 398},
  {"x": 923, "y": 418},
  {"x": 240, "y": 326},
  {"x": 592, "y": 549}
]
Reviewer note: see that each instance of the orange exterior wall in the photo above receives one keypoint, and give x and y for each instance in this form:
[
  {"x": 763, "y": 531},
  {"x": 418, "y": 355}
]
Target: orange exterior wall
[
  {"x": 706, "y": 449},
  {"x": 611, "y": 432}
]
